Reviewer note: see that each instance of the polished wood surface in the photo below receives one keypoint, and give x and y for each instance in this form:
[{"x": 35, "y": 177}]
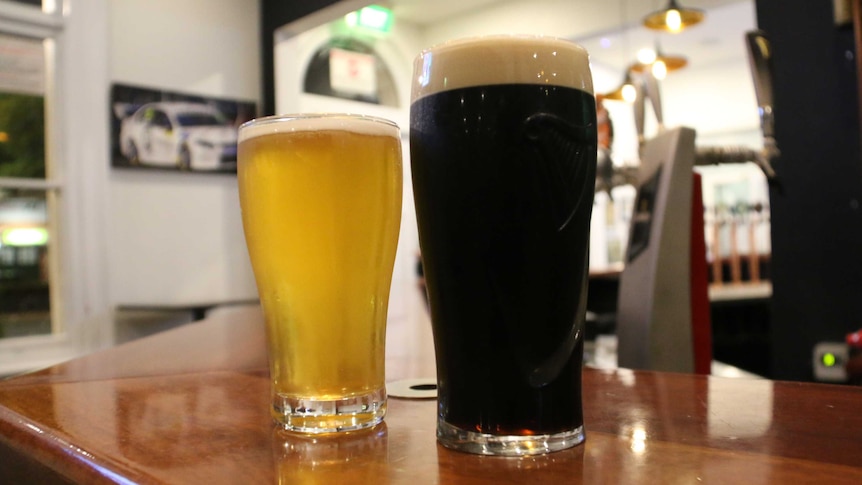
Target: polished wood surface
[{"x": 190, "y": 406}]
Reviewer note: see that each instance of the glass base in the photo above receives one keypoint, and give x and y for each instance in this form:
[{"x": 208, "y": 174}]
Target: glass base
[
  {"x": 504, "y": 445},
  {"x": 329, "y": 416}
]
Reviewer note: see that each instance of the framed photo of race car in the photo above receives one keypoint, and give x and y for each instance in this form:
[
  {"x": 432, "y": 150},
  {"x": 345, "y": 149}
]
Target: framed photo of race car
[{"x": 152, "y": 129}]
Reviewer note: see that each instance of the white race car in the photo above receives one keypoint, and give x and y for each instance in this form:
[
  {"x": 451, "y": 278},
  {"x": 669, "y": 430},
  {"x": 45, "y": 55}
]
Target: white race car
[{"x": 190, "y": 136}]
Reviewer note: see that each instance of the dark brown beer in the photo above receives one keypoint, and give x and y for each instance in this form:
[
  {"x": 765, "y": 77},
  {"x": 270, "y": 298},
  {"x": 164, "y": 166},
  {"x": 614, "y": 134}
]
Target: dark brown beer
[
  {"x": 501, "y": 220},
  {"x": 503, "y": 177}
]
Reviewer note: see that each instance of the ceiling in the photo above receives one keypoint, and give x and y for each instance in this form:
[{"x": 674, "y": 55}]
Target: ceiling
[
  {"x": 425, "y": 12},
  {"x": 616, "y": 35},
  {"x": 719, "y": 38}
]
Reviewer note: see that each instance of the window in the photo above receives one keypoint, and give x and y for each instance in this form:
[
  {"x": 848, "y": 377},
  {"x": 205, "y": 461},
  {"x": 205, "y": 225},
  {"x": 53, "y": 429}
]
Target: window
[
  {"x": 24, "y": 265},
  {"x": 25, "y": 189},
  {"x": 51, "y": 126},
  {"x": 37, "y": 3}
]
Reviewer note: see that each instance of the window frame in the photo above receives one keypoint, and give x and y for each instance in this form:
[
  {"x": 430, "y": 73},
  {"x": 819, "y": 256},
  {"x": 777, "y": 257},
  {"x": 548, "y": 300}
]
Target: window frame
[{"x": 75, "y": 182}]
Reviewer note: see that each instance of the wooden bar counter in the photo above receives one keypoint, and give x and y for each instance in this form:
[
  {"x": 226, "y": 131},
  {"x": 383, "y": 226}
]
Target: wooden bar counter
[{"x": 191, "y": 406}]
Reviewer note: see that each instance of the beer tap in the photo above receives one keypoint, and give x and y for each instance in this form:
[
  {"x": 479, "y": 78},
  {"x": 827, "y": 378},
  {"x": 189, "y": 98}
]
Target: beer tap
[
  {"x": 759, "y": 56},
  {"x": 646, "y": 86},
  {"x": 608, "y": 174},
  {"x": 760, "y": 59},
  {"x": 754, "y": 211}
]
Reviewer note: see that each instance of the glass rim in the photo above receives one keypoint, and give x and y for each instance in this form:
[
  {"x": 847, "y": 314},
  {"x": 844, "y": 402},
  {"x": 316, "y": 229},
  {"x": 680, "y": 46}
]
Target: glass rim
[
  {"x": 486, "y": 60},
  {"x": 300, "y": 122},
  {"x": 346, "y": 116},
  {"x": 520, "y": 38}
]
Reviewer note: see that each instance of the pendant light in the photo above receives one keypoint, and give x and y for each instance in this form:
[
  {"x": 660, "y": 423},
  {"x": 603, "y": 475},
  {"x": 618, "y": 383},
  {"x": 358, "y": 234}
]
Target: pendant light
[
  {"x": 661, "y": 64},
  {"x": 673, "y": 18},
  {"x": 626, "y": 91}
]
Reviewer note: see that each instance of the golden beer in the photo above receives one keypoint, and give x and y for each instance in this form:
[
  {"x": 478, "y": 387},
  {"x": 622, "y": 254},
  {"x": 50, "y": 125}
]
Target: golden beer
[{"x": 321, "y": 210}]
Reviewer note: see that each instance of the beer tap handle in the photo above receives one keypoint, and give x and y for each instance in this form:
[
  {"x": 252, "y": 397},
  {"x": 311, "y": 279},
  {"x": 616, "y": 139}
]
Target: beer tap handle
[
  {"x": 639, "y": 108},
  {"x": 654, "y": 95},
  {"x": 760, "y": 60},
  {"x": 646, "y": 86}
]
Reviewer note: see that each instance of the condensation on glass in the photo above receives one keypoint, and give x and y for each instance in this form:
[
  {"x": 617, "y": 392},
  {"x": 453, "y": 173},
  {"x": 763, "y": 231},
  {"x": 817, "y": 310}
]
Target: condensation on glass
[{"x": 26, "y": 194}]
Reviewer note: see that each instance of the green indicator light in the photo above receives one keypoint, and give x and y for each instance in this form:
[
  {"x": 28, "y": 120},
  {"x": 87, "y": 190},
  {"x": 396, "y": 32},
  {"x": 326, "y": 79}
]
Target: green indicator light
[{"x": 828, "y": 359}]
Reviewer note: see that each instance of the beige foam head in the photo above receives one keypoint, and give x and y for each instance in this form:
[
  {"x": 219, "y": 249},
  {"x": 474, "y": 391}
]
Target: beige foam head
[{"x": 501, "y": 59}]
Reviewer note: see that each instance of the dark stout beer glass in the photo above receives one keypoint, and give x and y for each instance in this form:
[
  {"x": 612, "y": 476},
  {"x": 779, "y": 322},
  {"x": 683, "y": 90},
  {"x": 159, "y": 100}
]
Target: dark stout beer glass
[{"x": 503, "y": 154}]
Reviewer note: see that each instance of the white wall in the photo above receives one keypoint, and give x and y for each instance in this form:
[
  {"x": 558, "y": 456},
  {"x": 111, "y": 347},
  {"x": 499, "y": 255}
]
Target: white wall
[
  {"x": 559, "y": 18},
  {"x": 176, "y": 238}
]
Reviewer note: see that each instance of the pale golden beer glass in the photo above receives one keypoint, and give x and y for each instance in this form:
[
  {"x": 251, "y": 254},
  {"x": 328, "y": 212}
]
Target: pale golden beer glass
[{"x": 321, "y": 210}]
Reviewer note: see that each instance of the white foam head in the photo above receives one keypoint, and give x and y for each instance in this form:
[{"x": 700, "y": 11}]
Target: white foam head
[
  {"x": 501, "y": 59},
  {"x": 366, "y": 125}
]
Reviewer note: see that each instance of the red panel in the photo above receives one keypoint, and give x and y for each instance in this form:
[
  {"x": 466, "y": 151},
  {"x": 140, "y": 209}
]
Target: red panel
[{"x": 701, "y": 331}]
